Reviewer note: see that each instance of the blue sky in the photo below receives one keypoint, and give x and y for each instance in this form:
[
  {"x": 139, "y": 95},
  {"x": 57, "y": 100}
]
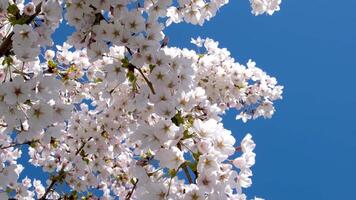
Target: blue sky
[{"x": 307, "y": 150}]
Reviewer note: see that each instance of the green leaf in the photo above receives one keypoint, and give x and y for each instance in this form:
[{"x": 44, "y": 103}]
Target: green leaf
[
  {"x": 196, "y": 156},
  {"x": 13, "y": 9},
  {"x": 86, "y": 160},
  {"x": 133, "y": 80},
  {"x": 193, "y": 166},
  {"x": 178, "y": 119},
  {"x": 131, "y": 76},
  {"x": 151, "y": 67},
  {"x": 74, "y": 195},
  {"x": 125, "y": 62},
  {"x": 9, "y": 190},
  {"x": 33, "y": 143},
  {"x": 133, "y": 181},
  {"x": 187, "y": 135},
  {"x": 52, "y": 64},
  {"x": 172, "y": 173},
  {"x": 54, "y": 143},
  {"x": 98, "y": 80},
  {"x": 7, "y": 61},
  {"x": 28, "y": 102}
]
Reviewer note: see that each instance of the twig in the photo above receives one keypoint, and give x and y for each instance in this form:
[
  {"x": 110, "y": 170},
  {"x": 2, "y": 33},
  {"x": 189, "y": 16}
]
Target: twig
[
  {"x": 128, "y": 196},
  {"x": 169, "y": 186},
  {"x": 18, "y": 144},
  {"x": 239, "y": 148},
  {"x": 149, "y": 83}
]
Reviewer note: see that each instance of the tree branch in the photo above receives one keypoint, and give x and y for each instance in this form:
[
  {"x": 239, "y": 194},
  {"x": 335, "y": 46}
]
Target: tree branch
[
  {"x": 3, "y": 125},
  {"x": 18, "y": 144},
  {"x": 149, "y": 83}
]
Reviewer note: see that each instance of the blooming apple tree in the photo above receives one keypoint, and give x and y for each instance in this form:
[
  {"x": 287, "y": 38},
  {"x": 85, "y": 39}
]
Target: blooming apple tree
[{"x": 115, "y": 111}]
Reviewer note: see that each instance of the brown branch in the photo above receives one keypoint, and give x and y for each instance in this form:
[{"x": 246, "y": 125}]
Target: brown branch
[
  {"x": 149, "y": 83},
  {"x": 238, "y": 149},
  {"x": 18, "y": 144},
  {"x": 6, "y": 46}
]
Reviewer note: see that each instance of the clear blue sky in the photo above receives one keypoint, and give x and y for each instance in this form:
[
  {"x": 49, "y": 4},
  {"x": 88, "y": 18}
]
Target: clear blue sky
[{"x": 307, "y": 150}]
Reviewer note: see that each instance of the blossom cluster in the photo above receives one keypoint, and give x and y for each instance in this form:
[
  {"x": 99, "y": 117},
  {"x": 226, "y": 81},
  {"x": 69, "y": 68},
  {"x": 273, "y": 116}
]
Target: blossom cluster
[
  {"x": 116, "y": 109},
  {"x": 265, "y": 6},
  {"x": 27, "y": 39}
]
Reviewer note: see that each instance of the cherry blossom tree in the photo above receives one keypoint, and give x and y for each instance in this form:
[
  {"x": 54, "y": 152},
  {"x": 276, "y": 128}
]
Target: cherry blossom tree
[{"x": 117, "y": 113}]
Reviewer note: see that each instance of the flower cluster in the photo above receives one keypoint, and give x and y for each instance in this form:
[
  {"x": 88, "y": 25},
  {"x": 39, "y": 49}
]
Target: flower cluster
[
  {"x": 27, "y": 39},
  {"x": 116, "y": 109},
  {"x": 265, "y": 6}
]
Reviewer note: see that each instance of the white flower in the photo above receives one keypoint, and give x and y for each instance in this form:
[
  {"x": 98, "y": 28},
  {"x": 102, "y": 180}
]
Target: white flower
[
  {"x": 245, "y": 161},
  {"x": 24, "y": 35},
  {"x": 16, "y": 91},
  {"x": 198, "y": 42},
  {"x": 134, "y": 22},
  {"x": 207, "y": 182},
  {"x": 9, "y": 175},
  {"x": 40, "y": 190},
  {"x": 40, "y": 116},
  {"x": 194, "y": 193},
  {"x": 171, "y": 158},
  {"x": 165, "y": 109},
  {"x": 115, "y": 72},
  {"x": 207, "y": 164},
  {"x": 49, "y": 55},
  {"x": 205, "y": 129},
  {"x": 204, "y": 146},
  {"x": 224, "y": 141},
  {"x": 29, "y": 9},
  {"x": 247, "y": 144},
  {"x": 262, "y": 6},
  {"x": 166, "y": 131}
]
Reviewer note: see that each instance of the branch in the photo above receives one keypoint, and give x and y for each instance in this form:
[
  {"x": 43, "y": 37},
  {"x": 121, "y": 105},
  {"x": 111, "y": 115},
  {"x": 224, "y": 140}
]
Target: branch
[
  {"x": 149, "y": 83},
  {"x": 128, "y": 196},
  {"x": 6, "y": 46},
  {"x": 18, "y": 144},
  {"x": 54, "y": 181},
  {"x": 238, "y": 149},
  {"x": 3, "y": 125}
]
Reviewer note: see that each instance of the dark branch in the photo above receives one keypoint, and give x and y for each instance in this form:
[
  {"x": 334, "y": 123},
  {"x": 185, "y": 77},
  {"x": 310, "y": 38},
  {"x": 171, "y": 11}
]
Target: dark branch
[
  {"x": 19, "y": 144},
  {"x": 128, "y": 196},
  {"x": 149, "y": 83}
]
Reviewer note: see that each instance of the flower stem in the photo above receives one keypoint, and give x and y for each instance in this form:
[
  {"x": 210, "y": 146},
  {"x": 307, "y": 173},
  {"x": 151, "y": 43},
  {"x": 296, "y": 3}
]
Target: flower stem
[
  {"x": 149, "y": 83},
  {"x": 187, "y": 174}
]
